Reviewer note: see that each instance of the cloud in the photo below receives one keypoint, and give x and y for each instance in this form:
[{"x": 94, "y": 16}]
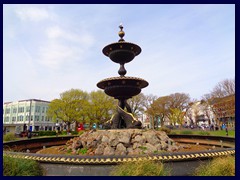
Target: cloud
[
  {"x": 63, "y": 46},
  {"x": 54, "y": 55},
  {"x": 32, "y": 13},
  {"x": 55, "y": 32}
]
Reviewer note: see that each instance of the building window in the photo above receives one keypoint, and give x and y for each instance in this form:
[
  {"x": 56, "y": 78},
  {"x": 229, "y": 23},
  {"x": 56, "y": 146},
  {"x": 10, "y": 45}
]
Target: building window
[
  {"x": 14, "y": 110},
  {"x": 6, "y": 119},
  {"x": 8, "y": 111},
  {"x": 21, "y": 109},
  {"x": 27, "y": 108},
  {"x": 43, "y": 109},
  {"x": 20, "y": 118},
  {"x": 37, "y": 109},
  {"x": 42, "y": 118},
  {"x": 36, "y": 118},
  {"x": 13, "y": 119}
]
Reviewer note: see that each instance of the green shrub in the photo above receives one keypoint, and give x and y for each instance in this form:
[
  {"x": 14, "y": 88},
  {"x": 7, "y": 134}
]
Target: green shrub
[
  {"x": 140, "y": 168},
  {"x": 9, "y": 137},
  {"x": 173, "y": 133},
  {"x": 63, "y": 132},
  {"x": 74, "y": 132},
  {"x": 69, "y": 151},
  {"x": 47, "y": 133},
  {"x": 82, "y": 151},
  {"x": 21, "y": 167},
  {"x": 221, "y": 166},
  {"x": 165, "y": 129},
  {"x": 186, "y": 132}
]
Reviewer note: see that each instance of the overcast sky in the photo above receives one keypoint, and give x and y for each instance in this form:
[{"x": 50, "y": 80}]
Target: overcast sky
[{"x": 49, "y": 49}]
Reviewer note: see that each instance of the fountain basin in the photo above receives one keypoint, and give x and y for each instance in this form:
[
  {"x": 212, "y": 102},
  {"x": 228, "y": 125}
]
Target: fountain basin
[
  {"x": 121, "y": 52},
  {"x": 182, "y": 163},
  {"x": 122, "y": 87}
]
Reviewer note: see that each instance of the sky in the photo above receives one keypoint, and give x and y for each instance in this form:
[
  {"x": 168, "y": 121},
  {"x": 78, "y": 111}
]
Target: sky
[{"x": 52, "y": 48}]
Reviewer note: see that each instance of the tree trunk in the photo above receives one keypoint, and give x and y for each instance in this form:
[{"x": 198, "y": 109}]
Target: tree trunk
[
  {"x": 162, "y": 122},
  {"x": 152, "y": 122},
  {"x": 76, "y": 125},
  {"x": 68, "y": 127}
]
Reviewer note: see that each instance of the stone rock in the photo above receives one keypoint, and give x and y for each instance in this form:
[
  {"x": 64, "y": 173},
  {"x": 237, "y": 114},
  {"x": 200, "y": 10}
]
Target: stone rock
[
  {"x": 150, "y": 148},
  {"x": 158, "y": 147},
  {"x": 105, "y": 139},
  {"x": 120, "y": 149},
  {"x": 136, "y": 145},
  {"x": 139, "y": 138},
  {"x": 124, "y": 138},
  {"x": 135, "y": 152},
  {"x": 108, "y": 151},
  {"x": 99, "y": 150},
  {"x": 172, "y": 148},
  {"x": 164, "y": 145}
]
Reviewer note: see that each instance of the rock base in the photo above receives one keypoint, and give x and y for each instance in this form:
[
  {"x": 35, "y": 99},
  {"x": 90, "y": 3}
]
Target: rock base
[{"x": 120, "y": 142}]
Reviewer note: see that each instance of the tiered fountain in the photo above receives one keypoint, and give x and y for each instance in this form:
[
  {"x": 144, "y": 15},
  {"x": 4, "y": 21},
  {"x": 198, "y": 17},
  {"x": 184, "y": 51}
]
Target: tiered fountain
[
  {"x": 124, "y": 141},
  {"x": 122, "y": 87}
]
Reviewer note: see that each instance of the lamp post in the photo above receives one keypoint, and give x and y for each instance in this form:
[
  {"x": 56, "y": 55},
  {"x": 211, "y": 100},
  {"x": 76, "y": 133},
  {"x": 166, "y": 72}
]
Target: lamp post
[{"x": 30, "y": 110}]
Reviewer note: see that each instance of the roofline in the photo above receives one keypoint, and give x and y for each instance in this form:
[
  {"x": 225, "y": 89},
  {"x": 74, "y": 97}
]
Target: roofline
[{"x": 39, "y": 100}]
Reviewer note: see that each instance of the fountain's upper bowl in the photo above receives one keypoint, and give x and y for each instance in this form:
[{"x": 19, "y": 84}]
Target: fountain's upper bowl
[
  {"x": 122, "y": 87},
  {"x": 121, "y": 52}
]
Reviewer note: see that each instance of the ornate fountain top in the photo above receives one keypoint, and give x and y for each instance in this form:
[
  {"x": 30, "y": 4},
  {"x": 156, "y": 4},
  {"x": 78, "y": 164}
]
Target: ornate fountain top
[{"x": 121, "y": 33}]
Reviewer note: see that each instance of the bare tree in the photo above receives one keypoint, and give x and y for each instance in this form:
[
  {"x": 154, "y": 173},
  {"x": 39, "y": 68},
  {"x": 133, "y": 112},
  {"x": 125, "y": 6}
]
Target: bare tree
[
  {"x": 224, "y": 88},
  {"x": 162, "y": 106},
  {"x": 179, "y": 100},
  {"x": 148, "y": 100},
  {"x": 136, "y": 103},
  {"x": 159, "y": 108}
]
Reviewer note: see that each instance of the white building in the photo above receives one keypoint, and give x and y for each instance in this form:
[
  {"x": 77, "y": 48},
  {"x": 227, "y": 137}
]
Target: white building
[
  {"x": 200, "y": 114},
  {"x": 27, "y": 114}
]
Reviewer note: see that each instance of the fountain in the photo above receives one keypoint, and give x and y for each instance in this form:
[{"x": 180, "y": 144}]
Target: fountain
[
  {"x": 122, "y": 87},
  {"x": 123, "y": 139}
]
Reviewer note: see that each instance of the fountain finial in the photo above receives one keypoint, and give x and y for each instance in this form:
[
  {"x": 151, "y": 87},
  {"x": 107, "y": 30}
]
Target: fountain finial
[{"x": 121, "y": 33}]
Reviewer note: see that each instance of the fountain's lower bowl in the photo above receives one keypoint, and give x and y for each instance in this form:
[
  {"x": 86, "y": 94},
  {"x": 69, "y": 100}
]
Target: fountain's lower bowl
[{"x": 122, "y": 87}]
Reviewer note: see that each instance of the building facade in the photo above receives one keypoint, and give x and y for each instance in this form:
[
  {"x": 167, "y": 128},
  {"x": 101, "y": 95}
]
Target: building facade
[
  {"x": 27, "y": 114},
  {"x": 224, "y": 110},
  {"x": 199, "y": 114}
]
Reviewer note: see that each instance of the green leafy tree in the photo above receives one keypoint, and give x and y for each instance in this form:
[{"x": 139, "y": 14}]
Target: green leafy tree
[
  {"x": 176, "y": 116},
  {"x": 70, "y": 108},
  {"x": 101, "y": 107}
]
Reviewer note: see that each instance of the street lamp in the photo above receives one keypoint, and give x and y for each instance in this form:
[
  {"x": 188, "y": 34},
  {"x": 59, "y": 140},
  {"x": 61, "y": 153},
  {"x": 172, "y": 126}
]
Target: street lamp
[{"x": 30, "y": 110}]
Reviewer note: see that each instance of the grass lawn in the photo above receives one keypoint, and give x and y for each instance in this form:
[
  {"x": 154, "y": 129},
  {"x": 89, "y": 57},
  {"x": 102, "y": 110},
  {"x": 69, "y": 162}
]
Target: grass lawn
[{"x": 231, "y": 133}]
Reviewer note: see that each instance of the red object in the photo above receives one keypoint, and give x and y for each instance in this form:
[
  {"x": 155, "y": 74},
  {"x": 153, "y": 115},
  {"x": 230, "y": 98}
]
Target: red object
[{"x": 80, "y": 127}]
